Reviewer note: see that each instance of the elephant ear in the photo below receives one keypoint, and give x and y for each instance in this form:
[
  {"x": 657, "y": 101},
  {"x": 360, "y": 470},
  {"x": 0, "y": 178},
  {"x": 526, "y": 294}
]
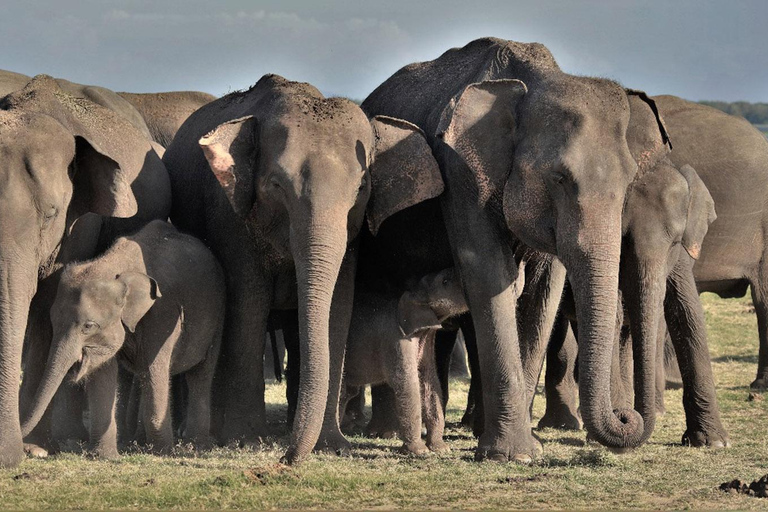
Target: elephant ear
[
  {"x": 647, "y": 135},
  {"x": 231, "y": 151},
  {"x": 701, "y": 212},
  {"x": 413, "y": 317},
  {"x": 481, "y": 109},
  {"x": 99, "y": 184},
  {"x": 403, "y": 170},
  {"x": 141, "y": 292}
]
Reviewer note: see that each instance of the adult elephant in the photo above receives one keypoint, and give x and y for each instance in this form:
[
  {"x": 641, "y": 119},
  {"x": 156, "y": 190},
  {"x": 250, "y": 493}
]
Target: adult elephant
[
  {"x": 10, "y": 81},
  {"x": 276, "y": 181},
  {"x": 531, "y": 154},
  {"x": 731, "y": 156},
  {"x": 63, "y": 157},
  {"x": 165, "y": 112}
]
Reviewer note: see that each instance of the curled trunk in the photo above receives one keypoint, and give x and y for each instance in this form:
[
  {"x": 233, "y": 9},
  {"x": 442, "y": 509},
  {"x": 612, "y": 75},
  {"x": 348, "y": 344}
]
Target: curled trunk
[
  {"x": 593, "y": 267},
  {"x": 318, "y": 249}
]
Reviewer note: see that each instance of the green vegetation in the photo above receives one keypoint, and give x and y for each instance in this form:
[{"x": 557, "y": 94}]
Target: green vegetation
[
  {"x": 755, "y": 113},
  {"x": 571, "y": 474}
]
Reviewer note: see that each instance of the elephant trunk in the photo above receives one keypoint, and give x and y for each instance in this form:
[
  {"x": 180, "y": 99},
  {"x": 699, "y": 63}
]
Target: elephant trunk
[
  {"x": 644, "y": 287},
  {"x": 17, "y": 286},
  {"x": 60, "y": 359},
  {"x": 593, "y": 268},
  {"x": 319, "y": 247}
]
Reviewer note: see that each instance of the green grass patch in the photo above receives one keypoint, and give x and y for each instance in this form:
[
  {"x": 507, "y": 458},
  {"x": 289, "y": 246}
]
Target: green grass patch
[{"x": 570, "y": 474}]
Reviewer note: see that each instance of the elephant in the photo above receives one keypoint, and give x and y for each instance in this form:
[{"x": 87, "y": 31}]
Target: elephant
[
  {"x": 277, "y": 180},
  {"x": 666, "y": 218},
  {"x": 154, "y": 303},
  {"x": 66, "y": 162},
  {"x": 392, "y": 340},
  {"x": 165, "y": 112},
  {"x": 731, "y": 157},
  {"x": 530, "y": 155}
]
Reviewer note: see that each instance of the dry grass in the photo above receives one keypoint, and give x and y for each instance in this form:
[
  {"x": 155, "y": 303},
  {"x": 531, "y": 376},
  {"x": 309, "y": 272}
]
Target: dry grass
[{"x": 661, "y": 474}]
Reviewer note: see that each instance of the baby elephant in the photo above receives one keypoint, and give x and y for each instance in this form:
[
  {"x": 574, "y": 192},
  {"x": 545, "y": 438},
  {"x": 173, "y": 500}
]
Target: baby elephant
[
  {"x": 392, "y": 340},
  {"x": 154, "y": 302}
]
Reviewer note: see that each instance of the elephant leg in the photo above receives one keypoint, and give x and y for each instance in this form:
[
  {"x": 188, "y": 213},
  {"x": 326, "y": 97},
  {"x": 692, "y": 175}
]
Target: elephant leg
[
  {"x": 331, "y": 439},
  {"x": 474, "y": 414},
  {"x": 180, "y": 402},
  {"x": 444, "y": 344},
  {"x": 560, "y": 387},
  {"x": 489, "y": 273},
  {"x": 458, "y": 366},
  {"x": 199, "y": 380},
  {"x": 760, "y": 300},
  {"x": 537, "y": 312},
  {"x": 67, "y": 408},
  {"x": 383, "y": 421},
  {"x": 132, "y": 412},
  {"x": 685, "y": 320},
  {"x": 432, "y": 403},
  {"x": 157, "y": 409},
  {"x": 101, "y": 390},
  {"x": 240, "y": 373},
  {"x": 402, "y": 368},
  {"x": 290, "y": 328},
  {"x": 672, "y": 376}
]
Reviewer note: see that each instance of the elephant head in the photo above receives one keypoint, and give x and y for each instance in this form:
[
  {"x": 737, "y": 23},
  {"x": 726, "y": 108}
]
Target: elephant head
[
  {"x": 89, "y": 318},
  {"x": 299, "y": 169},
  {"x": 53, "y": 169},
  {"x": 553, "y": 157},
  {"x": 436, "y": 298}
]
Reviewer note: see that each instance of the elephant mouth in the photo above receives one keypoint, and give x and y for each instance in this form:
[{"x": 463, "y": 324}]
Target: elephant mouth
[{"x": 77, "y": 371}]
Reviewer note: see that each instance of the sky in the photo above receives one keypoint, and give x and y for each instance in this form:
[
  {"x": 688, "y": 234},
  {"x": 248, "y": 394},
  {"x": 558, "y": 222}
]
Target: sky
[{"x": 697, "y": 49}]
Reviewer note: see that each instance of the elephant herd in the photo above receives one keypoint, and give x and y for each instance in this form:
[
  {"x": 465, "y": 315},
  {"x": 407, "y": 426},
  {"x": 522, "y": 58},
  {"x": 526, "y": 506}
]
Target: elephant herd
[{"x": 543, "y": 213}]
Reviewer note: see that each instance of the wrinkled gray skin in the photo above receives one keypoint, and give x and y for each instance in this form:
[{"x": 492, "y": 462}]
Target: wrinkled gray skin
[
  {"x": 165, "y": 112},
  {"x": 731, "y": 157},
  {"x": 392, "y": 340},
  {"x": 276, "y": 180},
  {"x": 529, "y": 154},
  {"x": 665, "y": 220},
  {"x": 10, "y": 81},
  {"x": 61, "y": 159},
  {"x": 154, "y": 302}
]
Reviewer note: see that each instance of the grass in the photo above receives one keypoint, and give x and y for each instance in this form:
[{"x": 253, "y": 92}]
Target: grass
[{"x": 570, "y": 474}]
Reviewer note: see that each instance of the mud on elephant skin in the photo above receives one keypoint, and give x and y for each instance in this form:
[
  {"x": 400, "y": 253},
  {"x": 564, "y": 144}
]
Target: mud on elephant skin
[
  {"x": 536, "y": 155},
  {"x": 65, "y": 157},
  {"x": 127, "y": 307},
  {"x": 276, "y": 180}
]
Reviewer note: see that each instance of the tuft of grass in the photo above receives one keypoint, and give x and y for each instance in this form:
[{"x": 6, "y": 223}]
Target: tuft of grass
[{"x": 570, "y": 474}]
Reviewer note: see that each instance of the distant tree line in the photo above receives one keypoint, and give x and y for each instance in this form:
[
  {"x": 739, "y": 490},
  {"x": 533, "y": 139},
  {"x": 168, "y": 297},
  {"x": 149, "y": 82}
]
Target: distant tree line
[{"x": 755, "y": 113}]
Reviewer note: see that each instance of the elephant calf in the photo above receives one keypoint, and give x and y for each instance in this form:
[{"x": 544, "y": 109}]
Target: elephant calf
[
  {"x": 392, "y": 340},
  {"x": 154, "y": 302}
]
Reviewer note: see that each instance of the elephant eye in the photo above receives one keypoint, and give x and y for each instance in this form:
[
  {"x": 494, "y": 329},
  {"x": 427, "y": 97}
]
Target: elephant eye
[
  {"x": 445, "y": 282},
  {"x": 50, "y": 213},
  {"x": 274, "y": 182},
  {"x": 89, "y": 327}
]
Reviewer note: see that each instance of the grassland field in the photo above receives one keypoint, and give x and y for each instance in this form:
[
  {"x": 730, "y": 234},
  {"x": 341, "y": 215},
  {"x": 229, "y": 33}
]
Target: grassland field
[{"x": 570, "y": 474}]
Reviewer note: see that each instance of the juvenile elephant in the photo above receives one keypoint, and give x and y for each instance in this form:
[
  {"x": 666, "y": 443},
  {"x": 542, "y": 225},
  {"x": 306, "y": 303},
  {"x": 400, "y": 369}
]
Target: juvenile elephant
[
  {"x": 392, "y": 340},
  {"x": 63, "y": 157},
  {"x": 154, "y": 303},
  {"x": 165, "y": 112},
  {"x": 275, "y": 180},
  {"x": 529, "y": 154}
]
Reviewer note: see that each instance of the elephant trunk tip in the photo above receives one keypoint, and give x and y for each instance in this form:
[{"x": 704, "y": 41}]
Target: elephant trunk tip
[{"x": 627, "y": 430}]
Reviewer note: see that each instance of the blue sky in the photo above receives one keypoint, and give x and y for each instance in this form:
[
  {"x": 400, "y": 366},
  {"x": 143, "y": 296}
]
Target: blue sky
[{"x": 696, "y": 49}]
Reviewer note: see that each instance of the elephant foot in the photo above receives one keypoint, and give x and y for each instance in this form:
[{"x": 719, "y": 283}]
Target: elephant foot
[
  {"x": 245, "y": 431},
  {"x": 334, "y": 443},
  {"x": 761, "y": 384},
  {"x": 11, "y": 454},
  {"x": 108, "y": 453},
  {"x": 417, "y": 448},
  {"x": 438, "y": 446},
  {"x": 561, "y": 418},
  {"x": 468, "y": 420},
  {"x": 522, "y": 448},
  {"x": 35, "y": 451},
  {"x": 701, "y": 438}
]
